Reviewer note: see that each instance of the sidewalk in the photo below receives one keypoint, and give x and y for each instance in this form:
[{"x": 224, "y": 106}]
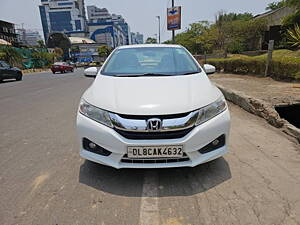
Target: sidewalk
[{"x": 260, "y": 96}]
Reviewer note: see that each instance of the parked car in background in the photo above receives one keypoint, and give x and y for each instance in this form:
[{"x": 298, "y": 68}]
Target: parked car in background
[
  {"x": 91, "y": 64},
  {"x": 9, "y": 72},
  {"x": 73, "y": 64},
  {"x": 62, "y": 67}
]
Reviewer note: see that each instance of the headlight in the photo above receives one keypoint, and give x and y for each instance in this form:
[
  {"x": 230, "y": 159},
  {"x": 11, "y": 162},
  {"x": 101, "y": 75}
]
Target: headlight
[
  {"x": 210, "y": 111},
  {"x": 95, "y": 113}
]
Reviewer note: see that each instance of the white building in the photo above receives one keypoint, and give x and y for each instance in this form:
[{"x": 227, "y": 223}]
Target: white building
[
  {"x": 28, "y": 37},
  {"x": 96, "y": 14},
  {"x": 137, "y": 38},
  {"x": 106, "y": 28}
]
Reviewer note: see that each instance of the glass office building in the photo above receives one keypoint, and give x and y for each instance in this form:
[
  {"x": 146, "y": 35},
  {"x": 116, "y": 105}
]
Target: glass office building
[{"x": 62, "y": 16}]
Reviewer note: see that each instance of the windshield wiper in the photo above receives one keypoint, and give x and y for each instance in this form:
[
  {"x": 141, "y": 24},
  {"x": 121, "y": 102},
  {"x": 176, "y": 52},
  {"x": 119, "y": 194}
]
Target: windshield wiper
[
  {"x": 188, "y": 73},
  {"x": 156, "y": 74}
]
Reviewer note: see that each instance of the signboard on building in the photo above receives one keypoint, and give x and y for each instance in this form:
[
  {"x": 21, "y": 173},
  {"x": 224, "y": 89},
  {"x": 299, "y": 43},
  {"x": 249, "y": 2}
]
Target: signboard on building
[{"x": 174, "y": 18}]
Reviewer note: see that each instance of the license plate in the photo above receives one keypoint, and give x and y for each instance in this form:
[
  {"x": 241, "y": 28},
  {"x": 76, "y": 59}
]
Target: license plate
[{"x": 147, "y": 152}]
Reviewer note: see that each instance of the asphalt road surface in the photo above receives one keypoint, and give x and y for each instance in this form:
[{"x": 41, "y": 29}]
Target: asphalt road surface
[{"x": 44, "y": 181}]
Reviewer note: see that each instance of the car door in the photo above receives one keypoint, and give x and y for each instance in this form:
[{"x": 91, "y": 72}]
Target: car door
[
  {"x": 11, "y": 73},
  {"x": 3, "y": 71},
  {"x": 67, "y": 66}
]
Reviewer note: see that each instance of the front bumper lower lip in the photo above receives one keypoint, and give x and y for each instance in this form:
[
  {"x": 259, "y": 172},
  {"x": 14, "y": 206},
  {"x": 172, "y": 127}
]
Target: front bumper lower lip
[
  {"x": 109, "y": 139},
  {"x": 104, "y": 161}
]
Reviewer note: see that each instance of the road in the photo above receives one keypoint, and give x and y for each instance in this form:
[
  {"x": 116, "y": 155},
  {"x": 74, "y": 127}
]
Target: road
[{"x": 44, "y": 181}]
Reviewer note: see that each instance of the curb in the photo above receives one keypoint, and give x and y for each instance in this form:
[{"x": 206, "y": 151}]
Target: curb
[
  {"x": 35, "y": 71},
  {"x": 261, "y": 109}
]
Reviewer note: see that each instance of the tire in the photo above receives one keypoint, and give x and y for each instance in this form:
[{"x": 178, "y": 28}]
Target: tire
[
  {"x": 62, "y": 71},
  {"x": 72, "y": 70},
  {"x": 53, "y": 72},
  {"x": 19, "y": 77}
]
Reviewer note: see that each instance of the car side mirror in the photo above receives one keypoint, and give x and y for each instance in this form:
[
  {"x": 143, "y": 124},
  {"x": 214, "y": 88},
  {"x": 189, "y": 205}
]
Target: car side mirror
[
  {"x": 91, "y": 72},
  {"x": 209, "y": 69}
]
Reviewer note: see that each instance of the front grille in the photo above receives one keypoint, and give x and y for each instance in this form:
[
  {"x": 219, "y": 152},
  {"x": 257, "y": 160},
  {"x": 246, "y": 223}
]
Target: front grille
[
  {"x": 154, "y": 135},
  {"x": 146, "y": 117},
  {"x": 125, "y": 159}
]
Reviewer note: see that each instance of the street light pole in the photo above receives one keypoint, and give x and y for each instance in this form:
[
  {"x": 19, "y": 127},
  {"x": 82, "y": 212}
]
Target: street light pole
[
  {"x": 158, "y": 17},
  {"x": 173, "y": 31}
]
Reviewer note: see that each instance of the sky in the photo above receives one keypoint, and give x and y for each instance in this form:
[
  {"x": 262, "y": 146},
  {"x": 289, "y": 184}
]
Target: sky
[{"x": 139, "y": 14}]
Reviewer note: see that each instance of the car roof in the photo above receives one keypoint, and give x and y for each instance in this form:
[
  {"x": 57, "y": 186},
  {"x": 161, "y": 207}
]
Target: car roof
[{"x": 150, "y": 46}]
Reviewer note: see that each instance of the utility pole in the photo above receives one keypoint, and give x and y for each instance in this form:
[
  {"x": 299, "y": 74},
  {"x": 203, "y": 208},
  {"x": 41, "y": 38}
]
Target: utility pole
[
  {"x": 173, "y": 31},
  {"x": 158, "y": 17}
]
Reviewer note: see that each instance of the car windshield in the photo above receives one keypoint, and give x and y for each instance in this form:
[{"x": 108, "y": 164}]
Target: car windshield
[{"x": 155, "y": 61}]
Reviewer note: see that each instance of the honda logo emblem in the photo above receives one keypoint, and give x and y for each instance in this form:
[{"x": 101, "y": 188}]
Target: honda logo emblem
[{"x": 154, "y": 124}]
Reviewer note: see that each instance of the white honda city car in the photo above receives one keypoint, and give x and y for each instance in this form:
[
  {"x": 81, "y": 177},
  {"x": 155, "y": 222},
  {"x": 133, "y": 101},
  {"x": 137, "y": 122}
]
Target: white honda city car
[{"x": 152, "y": 106}]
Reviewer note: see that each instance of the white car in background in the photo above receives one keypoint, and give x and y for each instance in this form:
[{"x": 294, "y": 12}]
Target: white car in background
[{"x": 152, "y": 106}]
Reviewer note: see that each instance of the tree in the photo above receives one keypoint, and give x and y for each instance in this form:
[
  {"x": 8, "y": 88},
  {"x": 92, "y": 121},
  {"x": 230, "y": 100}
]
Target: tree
[
  {"x": 190, "y": 37},
  {"x": 11, "y": 55},
  {"x": 104, "y": 51},
  {"x": 151, "y": 40},
  {"x": 276, "y": 5},
  {"x": 237, "y": 32},
  {"x": 231, "y": 33},
  {"x": 293, "y": 3},
  {"x": 294, "y": 18},
  {"x": 58, "y": 53},
  {"x": 45, "y": 57},
  {"x": 41, "y": 44},
  {"x": 229, "y": 17}
]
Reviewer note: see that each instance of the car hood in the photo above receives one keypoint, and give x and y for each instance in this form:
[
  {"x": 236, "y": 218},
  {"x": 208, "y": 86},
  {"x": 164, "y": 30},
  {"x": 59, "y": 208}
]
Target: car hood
[{"x": 152, "y": 95}]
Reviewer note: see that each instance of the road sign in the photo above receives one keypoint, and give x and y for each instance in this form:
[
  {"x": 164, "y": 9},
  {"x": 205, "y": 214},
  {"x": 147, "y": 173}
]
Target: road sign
[{"x": 174, "y": 18}]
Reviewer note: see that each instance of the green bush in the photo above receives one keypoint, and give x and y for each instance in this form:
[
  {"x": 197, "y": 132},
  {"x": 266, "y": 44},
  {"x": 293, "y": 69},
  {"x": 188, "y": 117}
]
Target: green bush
[{"x": 285, "y": 65}]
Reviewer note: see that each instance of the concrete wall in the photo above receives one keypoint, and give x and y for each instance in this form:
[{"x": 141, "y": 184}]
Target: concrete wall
[{"x": 275, "y": 18}]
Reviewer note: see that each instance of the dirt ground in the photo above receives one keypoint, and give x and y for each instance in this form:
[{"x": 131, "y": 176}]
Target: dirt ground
[{"x": 266, "y": 89}]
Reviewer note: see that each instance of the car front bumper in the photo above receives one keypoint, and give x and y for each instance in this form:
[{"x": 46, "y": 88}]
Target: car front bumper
[{"x": 112, "y": 141}]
